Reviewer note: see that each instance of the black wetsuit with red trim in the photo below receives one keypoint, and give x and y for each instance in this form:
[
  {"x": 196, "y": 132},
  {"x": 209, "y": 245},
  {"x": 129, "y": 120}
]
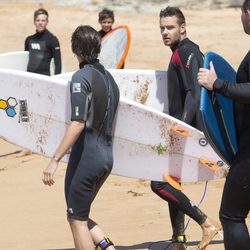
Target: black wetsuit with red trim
[
  {"x": 235, "y": 203},
  {"x": 42, "y": 47},
  {"x": 184, "y": 100}
]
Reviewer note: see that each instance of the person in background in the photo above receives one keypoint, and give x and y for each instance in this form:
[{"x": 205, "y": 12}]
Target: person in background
[
  {"x": 106, "y": 20},
  {"x": 94, "y": 101},
  {"x": 43, "y": 46},
  {"x": 235, "y": 202},
  {"x": 184, "y": 99}
]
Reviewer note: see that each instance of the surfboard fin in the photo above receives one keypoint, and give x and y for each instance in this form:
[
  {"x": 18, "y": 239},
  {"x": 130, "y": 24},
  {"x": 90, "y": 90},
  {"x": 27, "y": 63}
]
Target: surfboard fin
[
  {"x": 210, "y": 164},
  {"x": 173, "y": 181},
  {"x": 180, "y": 131}
]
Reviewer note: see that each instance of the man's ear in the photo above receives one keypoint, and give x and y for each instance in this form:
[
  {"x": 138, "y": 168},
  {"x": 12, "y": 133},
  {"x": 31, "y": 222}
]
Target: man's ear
[
  {"x": 183, "y": 29},
  {"x": 248, "y": 15}
]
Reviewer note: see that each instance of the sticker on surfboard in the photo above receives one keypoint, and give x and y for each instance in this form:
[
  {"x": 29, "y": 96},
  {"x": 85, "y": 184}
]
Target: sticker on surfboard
[
  {"x": 115, "y": 47},
  {"x": 9, "y": 106}
]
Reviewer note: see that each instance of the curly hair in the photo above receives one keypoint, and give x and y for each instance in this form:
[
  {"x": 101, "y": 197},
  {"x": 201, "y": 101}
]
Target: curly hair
[{"x": 86, "y": 43}]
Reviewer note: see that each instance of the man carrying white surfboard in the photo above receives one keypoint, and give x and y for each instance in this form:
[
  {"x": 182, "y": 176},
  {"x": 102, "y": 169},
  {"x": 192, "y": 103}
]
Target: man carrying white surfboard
[
  {"x": 43, "y": 46},
  {"x": 235, "y": 202},
  {"x": 94, "y": 100},
  {"x": 184, "y": 97}
]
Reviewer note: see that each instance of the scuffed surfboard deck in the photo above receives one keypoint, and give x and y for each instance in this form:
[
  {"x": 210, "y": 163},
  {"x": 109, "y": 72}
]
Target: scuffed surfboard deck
[
  {"x": 147, "y": 143},
  {"x": 148, "y": 87}
]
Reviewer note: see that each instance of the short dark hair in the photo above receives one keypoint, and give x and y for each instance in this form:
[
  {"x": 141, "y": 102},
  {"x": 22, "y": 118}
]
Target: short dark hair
[
  {"x": 173, "y": 11},
  {"x": 86, "y": 43},
  {"x": 106, "y": 13},
  {"x": 246, "y": 5},
  {"x": 40, "y": 11}
]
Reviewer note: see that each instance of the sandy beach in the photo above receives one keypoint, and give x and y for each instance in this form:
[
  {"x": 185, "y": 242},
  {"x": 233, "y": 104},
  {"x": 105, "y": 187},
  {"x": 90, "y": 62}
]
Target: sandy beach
[{"x": 33, "y": 216}]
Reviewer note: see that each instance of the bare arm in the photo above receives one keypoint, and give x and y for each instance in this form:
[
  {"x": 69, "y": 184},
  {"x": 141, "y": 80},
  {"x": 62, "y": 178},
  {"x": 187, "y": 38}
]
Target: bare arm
[{"x": 70, "y": 137}]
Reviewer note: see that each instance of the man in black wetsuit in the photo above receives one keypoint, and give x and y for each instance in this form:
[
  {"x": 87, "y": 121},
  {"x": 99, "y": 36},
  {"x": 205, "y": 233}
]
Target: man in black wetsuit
[
  {"x": 106, "y": 20},
  {"x": 94, "y": 100},
  {"x": 235, "y": 203},
  {"x": 42, "y": 47},
  {"x": 184, "y": 98}
]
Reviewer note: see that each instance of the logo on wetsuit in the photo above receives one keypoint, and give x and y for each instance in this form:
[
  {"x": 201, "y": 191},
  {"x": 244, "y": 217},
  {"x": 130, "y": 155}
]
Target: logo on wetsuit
[
  {"x": 35, "y": 46},
  {"x": 189, "y": 60},
  {"x": 76, "y": 87}
]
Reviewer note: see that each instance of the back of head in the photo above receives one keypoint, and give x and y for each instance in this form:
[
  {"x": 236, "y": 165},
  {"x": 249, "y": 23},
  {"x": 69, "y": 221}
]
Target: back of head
[
  {"x": 246, "y": 5},
  {"x": 173, "y": 11},
  {"x": 86, "y": 43},
  {"x": 40, "y": 11},
  {"x": 106, "y": 13}
]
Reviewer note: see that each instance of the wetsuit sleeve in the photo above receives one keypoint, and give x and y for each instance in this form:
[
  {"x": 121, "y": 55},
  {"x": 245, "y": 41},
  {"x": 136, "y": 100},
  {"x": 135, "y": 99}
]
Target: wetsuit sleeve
[
  {"x": 26, "y": 44},
  {"x": 81, "y": 97},
  {"x": 239, "y": 92},
  {"x": 56, "y": 54},
  {"x": 189, "y": 71}
]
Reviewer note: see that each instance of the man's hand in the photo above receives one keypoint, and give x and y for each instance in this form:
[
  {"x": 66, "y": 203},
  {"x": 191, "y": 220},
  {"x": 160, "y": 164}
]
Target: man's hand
[
  {"x": 48, "y": 173},
  {"x": 206, "y": 78}
]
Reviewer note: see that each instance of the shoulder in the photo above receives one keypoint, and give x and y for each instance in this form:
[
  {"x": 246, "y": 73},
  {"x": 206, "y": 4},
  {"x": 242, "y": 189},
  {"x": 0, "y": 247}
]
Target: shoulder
[
  {"x": 29, "y": 37},
  {"x": 83, "y": 76},
  {"x": 102, "y": 33},
  {"x": 188, "y": 51},
  {"x": 51, "y": 35},
  {"x": 187, "y": 47}
]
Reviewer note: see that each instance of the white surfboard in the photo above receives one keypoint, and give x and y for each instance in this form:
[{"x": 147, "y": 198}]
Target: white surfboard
[
  {"x": 34, "y": 114},
  {"x": 18, "y": 60},
  {"x": 148, "y": 87},
  {"x": 115, "y": 46}
]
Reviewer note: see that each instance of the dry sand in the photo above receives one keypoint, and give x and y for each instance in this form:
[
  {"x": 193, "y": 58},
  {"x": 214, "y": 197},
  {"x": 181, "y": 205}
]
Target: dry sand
[{"x": 32, "y": 216}]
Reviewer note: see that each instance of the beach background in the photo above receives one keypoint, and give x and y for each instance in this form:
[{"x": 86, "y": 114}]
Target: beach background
[{"x": 33, "y": 216}]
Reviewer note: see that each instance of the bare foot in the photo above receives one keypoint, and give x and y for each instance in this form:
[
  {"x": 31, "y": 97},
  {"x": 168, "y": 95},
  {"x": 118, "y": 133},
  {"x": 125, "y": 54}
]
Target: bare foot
[
  {"x": 209, "y": 230},
  {"x": 24, "y": 152}
]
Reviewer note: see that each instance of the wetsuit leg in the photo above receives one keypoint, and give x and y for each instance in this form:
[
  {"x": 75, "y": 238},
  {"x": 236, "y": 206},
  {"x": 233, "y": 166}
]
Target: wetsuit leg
[
  {"x": 91, "y": 172},
  {"x": 235, "y": 205},
  {"x": 177, "y": 222},
  {"x": 178, "y": 200},
  {"x": 74, "y": 159}
]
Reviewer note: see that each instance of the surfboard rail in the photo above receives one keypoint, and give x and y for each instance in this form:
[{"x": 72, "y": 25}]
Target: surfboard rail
[
  {"x": 217, "y": 111},
  {"x": 110, "y": 47}
]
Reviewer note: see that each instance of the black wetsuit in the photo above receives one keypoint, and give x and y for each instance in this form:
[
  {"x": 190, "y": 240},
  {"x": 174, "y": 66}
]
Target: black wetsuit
[
  {"x": 184, "y": 99},
  {"x": 235, "y": 204},
  {"x": 102, "y": 33},
  {"x": 42, "y": 47},
  {"x": 94, "y": 100}
]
